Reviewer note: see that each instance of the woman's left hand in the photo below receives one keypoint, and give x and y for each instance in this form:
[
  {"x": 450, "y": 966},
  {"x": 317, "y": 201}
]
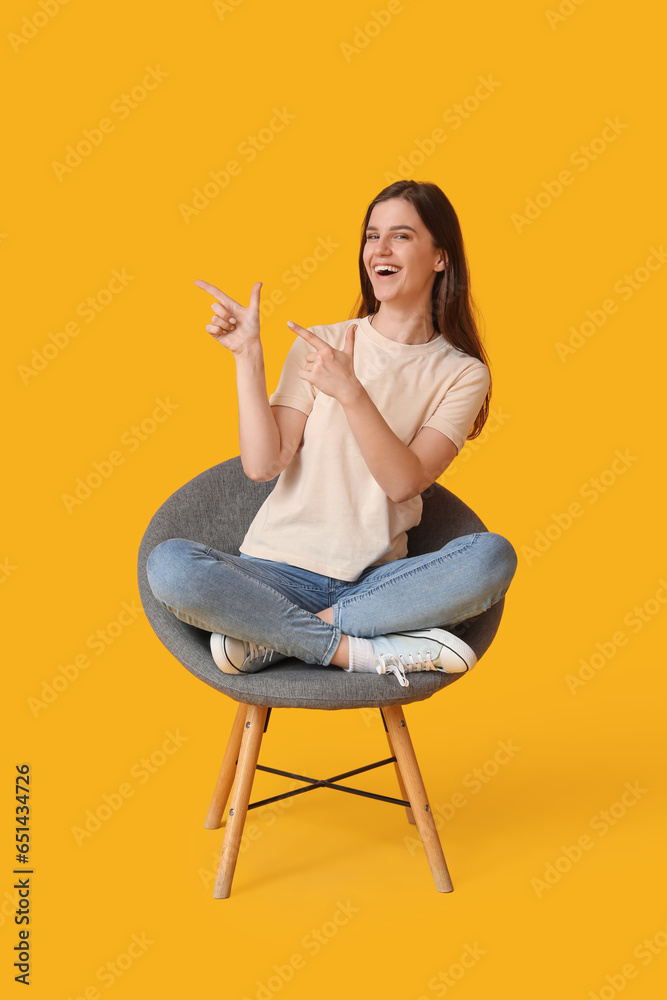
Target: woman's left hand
[{"x": 328, "y": 369}]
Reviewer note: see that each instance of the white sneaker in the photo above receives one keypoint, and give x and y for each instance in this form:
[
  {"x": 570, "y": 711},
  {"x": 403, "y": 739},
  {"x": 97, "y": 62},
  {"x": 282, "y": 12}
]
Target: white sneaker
[
  {"x": 425, "y": 649},
  {"x": 236, "y": 656}
]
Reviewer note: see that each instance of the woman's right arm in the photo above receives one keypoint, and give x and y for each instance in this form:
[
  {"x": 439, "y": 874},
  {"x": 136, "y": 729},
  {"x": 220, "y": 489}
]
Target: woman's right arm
[{"x": 268, "y": 436}]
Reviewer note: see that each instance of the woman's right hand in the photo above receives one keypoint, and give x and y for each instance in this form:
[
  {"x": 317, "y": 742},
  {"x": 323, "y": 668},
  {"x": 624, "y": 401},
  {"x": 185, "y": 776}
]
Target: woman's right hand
[{"x": 233, "y": 325}]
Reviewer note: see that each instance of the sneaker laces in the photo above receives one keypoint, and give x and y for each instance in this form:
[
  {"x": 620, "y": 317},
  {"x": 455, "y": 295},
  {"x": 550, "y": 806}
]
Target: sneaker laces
[
  {"x": 257, "y": 650},
  {"x": 398, "y": 663}
]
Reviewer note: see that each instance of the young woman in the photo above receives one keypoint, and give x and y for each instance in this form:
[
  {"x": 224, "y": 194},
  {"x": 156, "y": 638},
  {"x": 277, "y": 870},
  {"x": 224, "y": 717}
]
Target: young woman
[{"x": 366, "y": 416}]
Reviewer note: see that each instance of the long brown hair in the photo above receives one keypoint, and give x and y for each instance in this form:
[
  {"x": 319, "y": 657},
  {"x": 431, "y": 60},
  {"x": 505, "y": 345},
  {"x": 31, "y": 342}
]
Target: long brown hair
[{"x": 453, "y": 310}]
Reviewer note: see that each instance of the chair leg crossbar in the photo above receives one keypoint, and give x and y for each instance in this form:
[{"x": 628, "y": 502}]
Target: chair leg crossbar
[
  {"x": 328, "y": 783},
  {"x": 238, "y": 770}
]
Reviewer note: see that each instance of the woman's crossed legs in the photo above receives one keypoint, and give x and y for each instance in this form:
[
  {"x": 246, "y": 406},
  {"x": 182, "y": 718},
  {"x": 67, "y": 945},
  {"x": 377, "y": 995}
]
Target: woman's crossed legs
[{"x": 280, "y": 606}]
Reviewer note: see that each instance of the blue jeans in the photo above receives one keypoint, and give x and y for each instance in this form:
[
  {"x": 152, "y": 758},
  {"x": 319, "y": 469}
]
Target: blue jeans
[{"x": 274, "y": 604}]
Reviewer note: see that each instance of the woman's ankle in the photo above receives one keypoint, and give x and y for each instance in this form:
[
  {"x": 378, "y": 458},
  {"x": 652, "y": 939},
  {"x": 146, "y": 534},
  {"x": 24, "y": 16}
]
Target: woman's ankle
[{"x": 341, "y": 657}]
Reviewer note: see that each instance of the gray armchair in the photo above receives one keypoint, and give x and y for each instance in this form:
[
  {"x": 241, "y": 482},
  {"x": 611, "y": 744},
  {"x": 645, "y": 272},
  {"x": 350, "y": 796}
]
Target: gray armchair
[{"x": 216, "y": 508}]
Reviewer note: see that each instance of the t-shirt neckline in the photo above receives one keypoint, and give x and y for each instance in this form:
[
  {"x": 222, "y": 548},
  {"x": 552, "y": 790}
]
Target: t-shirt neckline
[{"x": 393, "y": 347}]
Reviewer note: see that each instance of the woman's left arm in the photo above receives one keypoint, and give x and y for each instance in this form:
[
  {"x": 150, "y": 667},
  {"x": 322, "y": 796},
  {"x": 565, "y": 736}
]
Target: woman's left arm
[{"x": 402, "y": 471}]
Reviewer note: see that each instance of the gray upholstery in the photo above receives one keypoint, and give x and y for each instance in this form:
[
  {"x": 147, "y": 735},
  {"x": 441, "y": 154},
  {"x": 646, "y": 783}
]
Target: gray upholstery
[{"x": 216, "y": 508}]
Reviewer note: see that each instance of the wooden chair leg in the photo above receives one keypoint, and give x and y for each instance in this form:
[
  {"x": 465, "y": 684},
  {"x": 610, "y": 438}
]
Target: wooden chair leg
[
  {"x": 416, "y": 795},
  {"x": 401, "y": 785},
  {"x": 227, "y": 771},
  {"x": 251, "y": 739}
]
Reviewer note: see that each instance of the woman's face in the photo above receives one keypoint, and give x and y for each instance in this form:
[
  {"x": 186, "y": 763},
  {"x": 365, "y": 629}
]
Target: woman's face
[{"x": 396, "y": 237}]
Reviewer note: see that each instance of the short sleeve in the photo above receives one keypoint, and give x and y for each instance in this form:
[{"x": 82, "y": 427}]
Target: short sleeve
[
  {"x": 456, "y": 412},
  {"x": 291, "y": 389}
]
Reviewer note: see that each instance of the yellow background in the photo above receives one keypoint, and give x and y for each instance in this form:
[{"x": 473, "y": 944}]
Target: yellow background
[{"x": 148, "y": 870}]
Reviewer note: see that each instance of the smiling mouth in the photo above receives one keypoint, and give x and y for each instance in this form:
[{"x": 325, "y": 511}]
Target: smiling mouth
[{"x": 386, "y": 272}]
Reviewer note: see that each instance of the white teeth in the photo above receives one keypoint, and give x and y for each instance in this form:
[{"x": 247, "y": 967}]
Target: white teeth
[{"x": 385, "y": 267}]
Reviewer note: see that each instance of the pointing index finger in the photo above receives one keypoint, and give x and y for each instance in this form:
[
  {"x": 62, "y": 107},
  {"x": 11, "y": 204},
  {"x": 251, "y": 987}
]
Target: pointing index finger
[
  {"x": 308, "y": 335},
  {"x": 215, "y": 292}
]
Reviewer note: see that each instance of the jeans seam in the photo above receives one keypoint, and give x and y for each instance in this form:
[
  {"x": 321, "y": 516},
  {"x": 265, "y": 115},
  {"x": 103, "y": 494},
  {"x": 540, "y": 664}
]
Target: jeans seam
[
  {"x": 383, "y": 584},
  {"x": 335, "y": 635},
  {"x": 294, "y": 585}
]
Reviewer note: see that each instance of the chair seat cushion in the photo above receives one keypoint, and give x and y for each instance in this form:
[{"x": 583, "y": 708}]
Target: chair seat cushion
[{"x": 294, "y": 684}]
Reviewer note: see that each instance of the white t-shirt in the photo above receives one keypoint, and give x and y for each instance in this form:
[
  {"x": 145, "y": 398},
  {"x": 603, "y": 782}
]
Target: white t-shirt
[{"x": 326, "y": 512}]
